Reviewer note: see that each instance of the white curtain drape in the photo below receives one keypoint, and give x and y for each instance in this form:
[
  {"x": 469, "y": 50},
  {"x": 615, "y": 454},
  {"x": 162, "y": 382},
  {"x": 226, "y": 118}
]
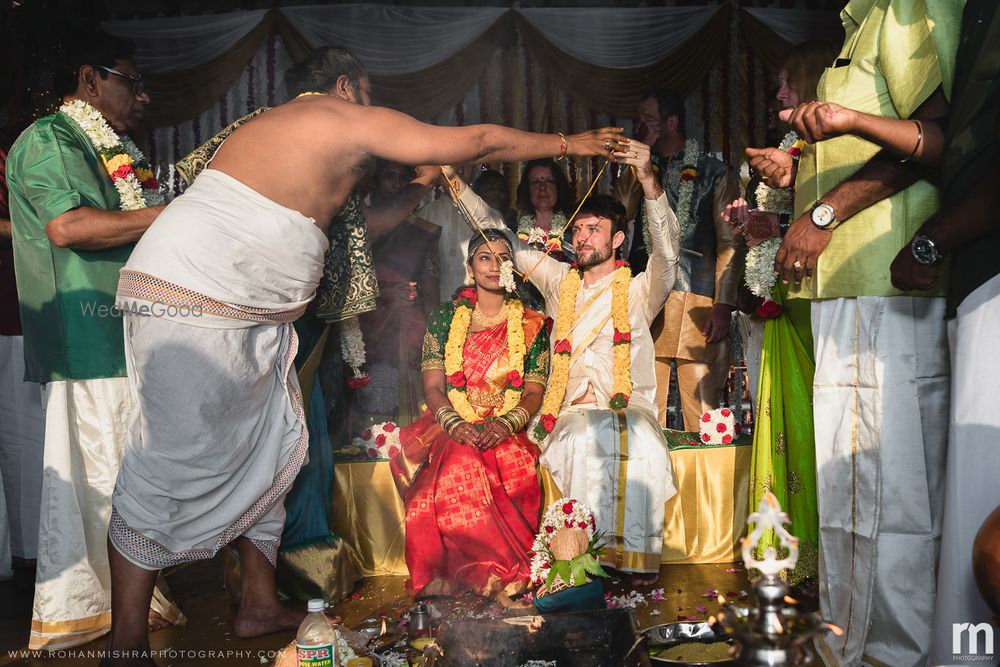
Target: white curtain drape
[
  {"x": 615, "y": 37},
  {"x": 799, "y": 25},
  {"x": 394, "y": 40},
  {"x": 184, "y": 42}
]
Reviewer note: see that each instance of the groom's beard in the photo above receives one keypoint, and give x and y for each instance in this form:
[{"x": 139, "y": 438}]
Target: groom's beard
[{"x": 597, "y": 256}]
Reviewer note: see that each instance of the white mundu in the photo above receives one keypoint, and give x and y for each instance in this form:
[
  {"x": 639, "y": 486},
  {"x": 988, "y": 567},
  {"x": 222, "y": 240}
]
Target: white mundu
[{"x": 616, "y": 460}]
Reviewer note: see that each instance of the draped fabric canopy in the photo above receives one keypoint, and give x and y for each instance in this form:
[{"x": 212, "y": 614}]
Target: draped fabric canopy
[{"x": 423, "y": 60}]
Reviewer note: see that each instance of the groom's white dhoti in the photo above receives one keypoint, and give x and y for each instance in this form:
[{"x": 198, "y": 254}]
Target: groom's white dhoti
[
  {"x": 218, "y": 433},
  {"x": 614, "y": 459}
]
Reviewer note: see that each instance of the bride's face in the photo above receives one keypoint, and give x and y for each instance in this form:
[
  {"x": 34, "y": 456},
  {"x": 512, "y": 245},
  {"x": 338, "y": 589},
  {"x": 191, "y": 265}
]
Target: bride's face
[{"x": 485, "y": 265}]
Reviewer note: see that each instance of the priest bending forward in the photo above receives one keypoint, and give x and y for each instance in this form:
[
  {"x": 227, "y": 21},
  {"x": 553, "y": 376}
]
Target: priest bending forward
[{"x": 597, "y": 425}]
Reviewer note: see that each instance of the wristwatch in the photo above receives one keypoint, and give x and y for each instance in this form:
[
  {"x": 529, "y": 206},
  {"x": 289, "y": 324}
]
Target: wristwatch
[
  {"x": 925, "y": 251},
  {"x": 823, "y": 216}
]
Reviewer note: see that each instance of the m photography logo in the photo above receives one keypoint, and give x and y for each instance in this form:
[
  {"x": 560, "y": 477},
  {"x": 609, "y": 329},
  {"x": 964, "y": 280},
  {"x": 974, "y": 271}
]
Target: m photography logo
[
  {"x": 972, "y": 642},
  {"x": 152, "y": 309}
]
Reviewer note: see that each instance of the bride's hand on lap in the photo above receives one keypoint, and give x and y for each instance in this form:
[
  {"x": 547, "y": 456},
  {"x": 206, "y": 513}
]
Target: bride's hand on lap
[
  {"x": 465, "y": 434},
  {"x": 493, "y": 434}
]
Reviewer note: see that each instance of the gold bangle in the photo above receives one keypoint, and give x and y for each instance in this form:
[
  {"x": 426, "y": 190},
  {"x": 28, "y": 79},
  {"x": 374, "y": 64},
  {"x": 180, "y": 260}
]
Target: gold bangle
[
  {"x": 563, "y": 147},
  {"x": 920, "y": 140}
]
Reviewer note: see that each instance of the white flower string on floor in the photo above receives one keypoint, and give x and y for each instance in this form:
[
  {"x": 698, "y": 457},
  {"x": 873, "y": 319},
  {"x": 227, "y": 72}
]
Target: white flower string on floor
[{"x": 126, "y": 165}]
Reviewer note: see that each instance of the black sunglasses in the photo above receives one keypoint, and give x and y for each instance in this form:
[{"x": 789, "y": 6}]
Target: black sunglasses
[{"x": 136, "y": 82}]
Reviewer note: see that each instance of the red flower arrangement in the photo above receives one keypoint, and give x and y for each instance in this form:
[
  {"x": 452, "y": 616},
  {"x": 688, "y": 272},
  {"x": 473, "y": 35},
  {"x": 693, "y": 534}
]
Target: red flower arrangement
[
  {"x": 457, "y": 380},
  {"x": 768, "y": 310},
  {"x": 563, "y": 346}
]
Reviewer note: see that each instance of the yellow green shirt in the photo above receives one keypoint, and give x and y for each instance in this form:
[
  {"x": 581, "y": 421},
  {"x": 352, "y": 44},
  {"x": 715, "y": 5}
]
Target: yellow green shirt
[{"x": 896, "y": 53}]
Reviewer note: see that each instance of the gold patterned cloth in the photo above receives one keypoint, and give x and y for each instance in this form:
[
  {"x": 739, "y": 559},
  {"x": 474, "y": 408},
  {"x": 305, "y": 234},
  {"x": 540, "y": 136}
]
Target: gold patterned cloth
[
  {"x": 702, "y": 523},
  {"x": 349, "y": 286}
]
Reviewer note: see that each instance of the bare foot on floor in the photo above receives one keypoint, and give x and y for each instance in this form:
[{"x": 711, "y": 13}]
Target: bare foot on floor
[
  {"x": 156, "y": 621},
  {"x": 262, "y": 621},
  {"x": 638, "y": 580}
]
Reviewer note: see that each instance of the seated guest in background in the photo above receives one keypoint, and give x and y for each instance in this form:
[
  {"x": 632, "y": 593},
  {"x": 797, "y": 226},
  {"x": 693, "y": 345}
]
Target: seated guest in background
[
  {"x": 598, "y": 427},
  {"x": 467, "y": 471},
  {"x": 406, "y": 263},
  {"x": 544, "y": 199},
  {"x": 492, "y": 187}
]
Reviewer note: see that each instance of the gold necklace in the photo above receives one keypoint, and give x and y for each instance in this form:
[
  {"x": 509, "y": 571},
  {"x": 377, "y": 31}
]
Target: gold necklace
[
  {"x": 482, "y": 321},
  {"x": 308, "y": 93}
]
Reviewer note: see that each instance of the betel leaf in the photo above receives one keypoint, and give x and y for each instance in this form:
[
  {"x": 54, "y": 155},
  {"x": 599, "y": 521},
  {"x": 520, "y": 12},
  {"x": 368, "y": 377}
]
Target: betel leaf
[
  {"x": 578, "y": 573},
  {"x": 562, "y": 569}
]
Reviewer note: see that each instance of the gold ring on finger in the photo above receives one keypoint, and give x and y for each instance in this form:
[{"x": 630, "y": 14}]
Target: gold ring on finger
[{"x": 607, "y": 144}]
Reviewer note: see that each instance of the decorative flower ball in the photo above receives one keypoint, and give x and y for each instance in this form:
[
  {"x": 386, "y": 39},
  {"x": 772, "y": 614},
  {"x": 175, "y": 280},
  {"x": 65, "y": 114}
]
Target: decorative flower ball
[
  {"x": 717, "y": 427},
  {"x": 381, "y": 441}
]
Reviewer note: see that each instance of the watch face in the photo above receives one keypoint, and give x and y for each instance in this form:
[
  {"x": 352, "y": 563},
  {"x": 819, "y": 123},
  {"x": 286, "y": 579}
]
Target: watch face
[
  {"x": 924, "y": 251},
  {"x": 822, "y": 215}
]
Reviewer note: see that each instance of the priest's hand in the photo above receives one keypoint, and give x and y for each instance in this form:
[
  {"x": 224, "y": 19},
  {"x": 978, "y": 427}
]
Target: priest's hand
[
  {"x": 599, "y": 143},
  {"x": 804, "y": 242},
  {"x": 775, "y": 166},
  {"x": 909, "y": 275},
  {"x": 818, "y": 121},
  {"x": 717, "y": 325}
]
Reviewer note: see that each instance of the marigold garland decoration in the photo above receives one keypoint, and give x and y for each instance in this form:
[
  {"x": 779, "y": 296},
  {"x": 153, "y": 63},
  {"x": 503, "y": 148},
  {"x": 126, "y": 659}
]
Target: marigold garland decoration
[
  {"x": 126, "y": 165},
  {"x": 563, "y": 347},
  {"x": 454, "y": 357}
]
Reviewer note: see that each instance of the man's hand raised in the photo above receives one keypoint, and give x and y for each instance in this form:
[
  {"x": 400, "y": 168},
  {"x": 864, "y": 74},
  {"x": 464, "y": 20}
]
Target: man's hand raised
[
  {"x": 818, "y": 121},
  {"x": 775, "y": 166}
]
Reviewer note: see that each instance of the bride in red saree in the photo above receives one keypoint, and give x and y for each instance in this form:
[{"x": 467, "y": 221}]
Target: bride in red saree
[{"x": 466, "y": 470}]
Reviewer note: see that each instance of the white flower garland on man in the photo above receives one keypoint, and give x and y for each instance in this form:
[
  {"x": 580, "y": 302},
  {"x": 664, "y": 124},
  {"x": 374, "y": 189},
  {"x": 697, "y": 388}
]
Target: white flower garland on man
[{"x": 126, "y": 165}]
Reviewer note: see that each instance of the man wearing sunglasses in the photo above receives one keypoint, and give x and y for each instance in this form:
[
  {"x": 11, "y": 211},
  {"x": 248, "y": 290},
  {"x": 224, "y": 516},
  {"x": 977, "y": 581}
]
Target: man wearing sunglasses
[{"x": 71, "y": 235}]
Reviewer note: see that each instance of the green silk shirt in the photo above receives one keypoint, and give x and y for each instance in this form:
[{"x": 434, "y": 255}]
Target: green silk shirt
[
  {"x": 71, "y": 329},
  {"x": 896, "y": 54}
]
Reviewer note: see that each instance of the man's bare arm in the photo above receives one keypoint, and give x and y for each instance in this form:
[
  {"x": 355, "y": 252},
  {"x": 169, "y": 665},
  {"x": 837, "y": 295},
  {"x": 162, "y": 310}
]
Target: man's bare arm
[
  {"x": 383, "y": 216},
  {"x": 87, "y": 228},
  {"x": 5, "y": 229},
  {"x": 923, "y": 143},
  {"x": 395, "y": 136}
]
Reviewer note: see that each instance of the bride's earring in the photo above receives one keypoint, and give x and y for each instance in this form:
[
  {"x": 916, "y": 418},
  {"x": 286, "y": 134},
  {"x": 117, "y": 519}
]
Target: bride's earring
[{"x": 469, "y": 280}]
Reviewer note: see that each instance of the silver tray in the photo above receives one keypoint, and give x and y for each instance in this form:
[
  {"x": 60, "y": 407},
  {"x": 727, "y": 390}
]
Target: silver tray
[{"x": 670, "y": 635}]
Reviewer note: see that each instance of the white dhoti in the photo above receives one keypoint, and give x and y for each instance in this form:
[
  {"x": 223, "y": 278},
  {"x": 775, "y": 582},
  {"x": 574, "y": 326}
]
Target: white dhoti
[
  {"x": 971, "y": 488},
  {"x": 85, "y": 431},
  {"x": 617, "y": 461},
  {"x": 880, "y": 406},
  {"x": 219, "y": 432},
  {"x": 22, "y": 429}
]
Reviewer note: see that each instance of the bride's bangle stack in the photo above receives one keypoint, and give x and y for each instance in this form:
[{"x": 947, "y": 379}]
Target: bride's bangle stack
[
  {"x": 515, "y": 420},
  {"x": 447, "y": 418}
]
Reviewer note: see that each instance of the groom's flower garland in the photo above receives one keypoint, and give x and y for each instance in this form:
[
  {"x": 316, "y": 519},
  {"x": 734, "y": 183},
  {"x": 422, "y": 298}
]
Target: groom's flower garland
[
  {"x": 130, "y": 172},
  {"x": 454, "y": 357},
  {"x": 563, "y": 347}
]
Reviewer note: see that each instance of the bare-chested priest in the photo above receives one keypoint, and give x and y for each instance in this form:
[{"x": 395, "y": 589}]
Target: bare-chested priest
[{"x": 209, "y": 295}]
